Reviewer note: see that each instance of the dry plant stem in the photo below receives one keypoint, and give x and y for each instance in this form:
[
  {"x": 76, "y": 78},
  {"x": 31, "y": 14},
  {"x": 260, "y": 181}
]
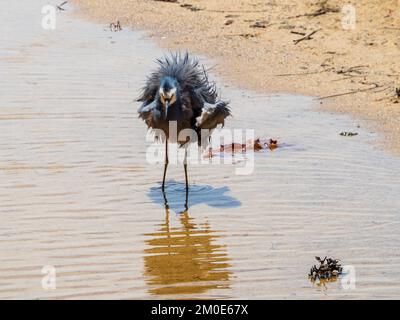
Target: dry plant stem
[{"x": 307, "y": 37}]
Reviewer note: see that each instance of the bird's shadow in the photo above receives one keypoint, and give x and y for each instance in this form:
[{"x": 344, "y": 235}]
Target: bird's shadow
[{"x": 174, "y": 196}]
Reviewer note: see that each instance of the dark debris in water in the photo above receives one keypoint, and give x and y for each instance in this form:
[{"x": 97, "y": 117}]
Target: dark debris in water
[
  {"x": 328, "y": 269},
  {"x": 348, "y": 134},
  {"x": 115, "y": 26}
]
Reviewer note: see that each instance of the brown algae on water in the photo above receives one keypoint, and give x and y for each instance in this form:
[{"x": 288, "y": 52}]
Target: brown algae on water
[{"x": 328, "y": 268}]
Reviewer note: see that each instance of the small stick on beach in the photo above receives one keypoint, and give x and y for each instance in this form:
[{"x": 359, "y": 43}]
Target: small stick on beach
[
  {"x": 350, "y": 92},
  {"x": 307, "y": 37}
]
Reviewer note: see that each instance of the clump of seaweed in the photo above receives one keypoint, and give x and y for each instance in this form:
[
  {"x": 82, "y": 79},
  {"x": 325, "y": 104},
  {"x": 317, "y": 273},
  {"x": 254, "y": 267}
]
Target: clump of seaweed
[{"x": 328, "y": 269}]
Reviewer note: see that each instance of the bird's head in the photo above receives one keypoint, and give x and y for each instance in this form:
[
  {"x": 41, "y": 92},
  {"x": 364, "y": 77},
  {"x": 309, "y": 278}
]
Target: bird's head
[{"x": 168, "y": 93}]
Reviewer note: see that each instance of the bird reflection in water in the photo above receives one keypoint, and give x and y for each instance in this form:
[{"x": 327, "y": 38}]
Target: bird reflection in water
[
  {"x": 199, "y": 194},
  {"x": 185, "y": 259}
]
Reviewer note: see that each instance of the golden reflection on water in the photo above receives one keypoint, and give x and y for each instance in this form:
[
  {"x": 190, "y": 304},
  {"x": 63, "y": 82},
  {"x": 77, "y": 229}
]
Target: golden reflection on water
[
  {"x": 322, "y": 284},
  {"x": 185, "y": 259}
]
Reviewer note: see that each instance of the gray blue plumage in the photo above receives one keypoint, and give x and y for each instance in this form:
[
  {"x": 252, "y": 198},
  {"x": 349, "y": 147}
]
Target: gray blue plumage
[{"x": 179, "y": 90}]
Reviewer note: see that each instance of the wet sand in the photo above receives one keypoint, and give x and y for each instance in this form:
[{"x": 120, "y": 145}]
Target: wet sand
[{"x": 78, "y": 194}]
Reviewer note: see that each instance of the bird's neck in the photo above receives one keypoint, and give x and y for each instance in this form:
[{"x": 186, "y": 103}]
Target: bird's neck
[{"x": 174, "y": 111}]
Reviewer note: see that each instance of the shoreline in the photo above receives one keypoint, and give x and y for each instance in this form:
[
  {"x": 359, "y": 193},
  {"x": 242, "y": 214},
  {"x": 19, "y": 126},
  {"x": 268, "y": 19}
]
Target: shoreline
[{"x": 348, "y": 71}]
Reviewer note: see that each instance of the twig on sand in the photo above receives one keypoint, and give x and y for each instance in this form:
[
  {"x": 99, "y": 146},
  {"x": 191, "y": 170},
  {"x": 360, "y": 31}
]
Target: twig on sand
[
  {"x": 260, "y": 24},
  {"x": 239, "y": 11},
  {"x": 307, "y": 37},
  {"x": 354, "y": 69},
  {"x": 350, "y": 92},
  {"x": 301, "y": 73},
  {"x": 190, "y": 7},
  {"x": 244, "y": 35},
  {"x": 320, "y": 11},
  {"x": 299, "y": 33},
  {"x": 348, "y": 77}
]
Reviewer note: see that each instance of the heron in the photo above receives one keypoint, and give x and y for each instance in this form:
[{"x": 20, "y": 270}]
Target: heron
[{"x": 179, "y": 90}]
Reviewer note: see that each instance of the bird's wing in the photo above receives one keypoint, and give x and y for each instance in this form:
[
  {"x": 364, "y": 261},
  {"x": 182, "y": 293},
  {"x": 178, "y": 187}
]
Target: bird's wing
[
  {"x": 147, "y": 112},
  {"x": 212, "y": 115}
]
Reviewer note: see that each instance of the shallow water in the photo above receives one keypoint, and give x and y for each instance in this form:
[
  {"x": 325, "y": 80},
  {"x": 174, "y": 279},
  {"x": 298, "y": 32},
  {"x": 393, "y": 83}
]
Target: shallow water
[{"x": 78, "y": 194}]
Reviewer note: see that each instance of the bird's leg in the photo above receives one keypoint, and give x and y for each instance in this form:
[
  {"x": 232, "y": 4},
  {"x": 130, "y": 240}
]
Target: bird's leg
[
  {"x": 165, "y": 165},
  {"x": 209, "y": 148},
  {"x": 186, "y": 180},
  {"x": 166, "y": 205},
  {"x": 233, "y": 150}
]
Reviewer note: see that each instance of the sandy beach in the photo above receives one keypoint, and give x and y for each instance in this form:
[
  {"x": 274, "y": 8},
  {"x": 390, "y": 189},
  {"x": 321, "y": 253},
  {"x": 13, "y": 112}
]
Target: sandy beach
[
  {"x": 79, "y": 197},
  {"x": 253, "y": 44}
]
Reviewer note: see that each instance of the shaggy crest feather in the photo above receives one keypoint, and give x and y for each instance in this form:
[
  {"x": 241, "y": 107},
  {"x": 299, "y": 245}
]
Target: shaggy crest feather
[{"x": 187, "y": 71}]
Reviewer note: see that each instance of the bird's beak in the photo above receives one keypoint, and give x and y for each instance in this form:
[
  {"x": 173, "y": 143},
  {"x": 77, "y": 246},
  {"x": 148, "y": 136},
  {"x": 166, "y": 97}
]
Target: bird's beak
[{"x": 166, "y": 109}]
